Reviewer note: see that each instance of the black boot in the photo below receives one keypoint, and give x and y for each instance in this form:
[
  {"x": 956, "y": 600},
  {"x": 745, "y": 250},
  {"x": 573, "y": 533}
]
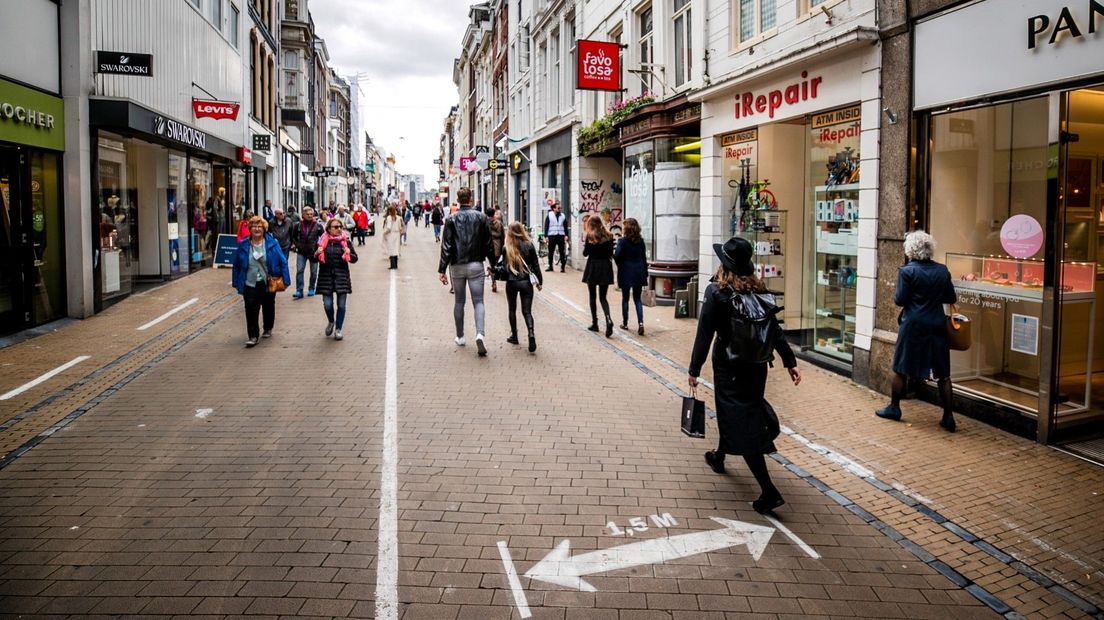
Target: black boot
[
  {"x": 594, "y": 323},
  {"x": 609, "y": 326},
  {"x": 532, "y": 342},
  {"x": 513, "y": 338}
]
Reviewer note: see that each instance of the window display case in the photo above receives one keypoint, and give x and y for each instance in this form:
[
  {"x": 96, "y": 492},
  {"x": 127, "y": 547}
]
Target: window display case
[
  {"x": 1003, "y": 297},
  {"x": 837, "y": 221},
  {"x": 767, "y": 235}
]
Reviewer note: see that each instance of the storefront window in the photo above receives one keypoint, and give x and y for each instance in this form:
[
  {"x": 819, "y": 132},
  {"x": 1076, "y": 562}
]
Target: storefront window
[
  {"x": 205, "y": 216},
  {"x": 677, "y": 202},
  {"x": 176, "y": 205},
  {"x": 116, "y": 212},
  {"x": 46, "y": 236},
  {"x": 989, "y": 167},
  {"x": 639, "y": 170}
]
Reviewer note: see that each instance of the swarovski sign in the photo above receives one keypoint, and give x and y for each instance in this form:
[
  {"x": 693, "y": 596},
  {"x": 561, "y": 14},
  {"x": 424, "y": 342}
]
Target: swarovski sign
[
  {"x": 124, "y": 63},
  {"x": 179, "y": 132}
]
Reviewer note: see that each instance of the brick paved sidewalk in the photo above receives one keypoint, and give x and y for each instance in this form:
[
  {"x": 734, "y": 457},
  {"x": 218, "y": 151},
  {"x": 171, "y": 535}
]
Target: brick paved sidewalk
[{"x": 221, "y": 481}]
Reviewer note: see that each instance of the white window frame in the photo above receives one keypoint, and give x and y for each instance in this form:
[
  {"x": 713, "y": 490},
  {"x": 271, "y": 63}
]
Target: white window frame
[
  {"x": 235, "y": 26},
  {"x": 642, "y": 39},
  {"x": 217, "y": 14},
  {"x": 554, "y": 74},
  {"x": 757, "y": 34},
  {"x": 685, "y": 55}
]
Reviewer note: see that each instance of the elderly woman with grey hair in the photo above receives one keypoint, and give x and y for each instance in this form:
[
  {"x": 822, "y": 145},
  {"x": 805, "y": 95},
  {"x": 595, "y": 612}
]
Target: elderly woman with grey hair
[{"x": 923, "y": 286}]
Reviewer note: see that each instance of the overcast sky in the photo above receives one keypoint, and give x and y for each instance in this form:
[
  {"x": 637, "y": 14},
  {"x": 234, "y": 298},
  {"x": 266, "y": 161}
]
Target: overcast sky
[{"x": 404, "y": 53}]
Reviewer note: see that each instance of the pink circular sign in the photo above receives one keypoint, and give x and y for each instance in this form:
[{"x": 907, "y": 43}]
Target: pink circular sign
[{"x": 1021, "y": 236}]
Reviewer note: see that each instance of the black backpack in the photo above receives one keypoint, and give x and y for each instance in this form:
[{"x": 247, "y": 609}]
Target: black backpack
[{"x": 753, "y": 328}]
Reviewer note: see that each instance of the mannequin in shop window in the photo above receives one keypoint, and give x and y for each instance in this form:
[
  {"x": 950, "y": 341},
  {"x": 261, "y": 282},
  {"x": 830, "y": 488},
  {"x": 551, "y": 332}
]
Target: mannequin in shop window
[{"x": 122, "y": 231}]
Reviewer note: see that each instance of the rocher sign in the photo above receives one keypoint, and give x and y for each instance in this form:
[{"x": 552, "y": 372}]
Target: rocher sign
[{"x": 598, "y": 66}]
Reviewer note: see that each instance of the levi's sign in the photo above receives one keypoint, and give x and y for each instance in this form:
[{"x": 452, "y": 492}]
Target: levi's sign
[
  {"x": 124, "y": 63},
  {"x": 598, "y": 66},
  {"x": 751, "y": 103},
  {"x": 206, "y": 108}
]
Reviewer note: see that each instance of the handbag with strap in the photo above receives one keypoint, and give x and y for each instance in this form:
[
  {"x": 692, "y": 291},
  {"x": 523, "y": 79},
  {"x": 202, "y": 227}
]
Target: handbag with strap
[
  {"x": 692, "y": 415},
  {"x": 958, "y": 330},
  {"x": 275, "y": 283}
]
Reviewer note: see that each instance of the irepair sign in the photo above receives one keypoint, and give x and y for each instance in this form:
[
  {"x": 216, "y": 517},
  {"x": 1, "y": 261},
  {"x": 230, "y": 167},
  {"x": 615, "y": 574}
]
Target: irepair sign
[
  {"x": 792, "y": 94},
  {"x": 218, "y": 110},
  {"x": 599, "y": 66}
]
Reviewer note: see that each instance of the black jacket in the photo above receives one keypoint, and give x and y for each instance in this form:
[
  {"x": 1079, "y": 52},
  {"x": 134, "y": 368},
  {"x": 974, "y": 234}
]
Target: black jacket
[
  {"x": 529, "y": 255},
  {"x": 713, "y": 328},
  {"x": 333, "y": 275},
  {"x": 466, "y": 239},
  {"x": 281, "y": 230},
  {"x": 437, "y": 216},
  {"x": 304, "y": 237}
]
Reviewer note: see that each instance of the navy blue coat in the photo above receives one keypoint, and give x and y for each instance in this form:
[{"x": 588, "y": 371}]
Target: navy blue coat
[
  {"x": 275, "y": 262},
  {"x": 632, "y": 263},
  {"x": 922, "y": 289}
]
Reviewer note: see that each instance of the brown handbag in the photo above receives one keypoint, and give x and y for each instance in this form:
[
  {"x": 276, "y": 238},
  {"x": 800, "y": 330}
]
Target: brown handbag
[
  {"x": 276, "y": 284},
  {"x": 958, "y": 330}
]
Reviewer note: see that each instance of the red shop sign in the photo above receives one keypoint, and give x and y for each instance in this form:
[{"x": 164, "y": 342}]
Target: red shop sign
[
  {"x": 752, "y": 103},
  {"x": 208, "y": 108},
  {"x": 598, "y": 66},
  {"x": 245, "y": 155}
]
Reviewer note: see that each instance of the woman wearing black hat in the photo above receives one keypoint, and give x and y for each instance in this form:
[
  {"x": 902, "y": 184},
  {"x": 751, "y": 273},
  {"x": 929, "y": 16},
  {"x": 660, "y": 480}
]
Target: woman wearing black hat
[{"x": 745, "y": 421}]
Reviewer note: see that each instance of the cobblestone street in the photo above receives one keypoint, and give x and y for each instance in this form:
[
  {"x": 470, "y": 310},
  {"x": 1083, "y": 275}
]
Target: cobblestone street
[{"x": 174, "y": 472}]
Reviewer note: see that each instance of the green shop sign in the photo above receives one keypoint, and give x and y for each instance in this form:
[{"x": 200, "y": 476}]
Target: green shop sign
[{"x": 31, "y": 118}]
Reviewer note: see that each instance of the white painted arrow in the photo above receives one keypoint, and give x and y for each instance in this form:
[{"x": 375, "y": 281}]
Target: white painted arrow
[{"x": 561, "y": 569}]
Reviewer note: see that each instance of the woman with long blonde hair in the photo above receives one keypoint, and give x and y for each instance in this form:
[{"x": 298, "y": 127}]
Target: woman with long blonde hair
[
  {"x": 522, "y": 273},
  {"x": 598, "y": 274}
]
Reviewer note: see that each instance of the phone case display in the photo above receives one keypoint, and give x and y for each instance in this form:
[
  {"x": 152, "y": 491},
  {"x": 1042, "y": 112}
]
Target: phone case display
[
  {"x": 1003, "y": 297},
  {"x": 766, "y": 232},
  {"x": 836, "y": 210}
]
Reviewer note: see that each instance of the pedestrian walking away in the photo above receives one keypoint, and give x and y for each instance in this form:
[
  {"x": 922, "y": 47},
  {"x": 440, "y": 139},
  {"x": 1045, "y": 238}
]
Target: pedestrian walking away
[
  {"x": 631, "y": 256},
  {"x": 498, "y": 233},
  {"x": 598, "y": 274},
  {"x": 258, "y": 257},
  {"x": 393, "y": 229},
  {"x": 407, "y": 214},
  {"x": 335, "y": 253},
  {"x": 360, "y": 221},
  {"x": 425, "y": 212},
  {"x": 304, "y": 239},
  {"x": 522, "y": 271},
  {"x": 437, "y": 218},
  {"x": 739, "y": 319},
  {"x": 280, "y": 228},
  {"x": 243, "y": 226},
  {"x": 922, "y": 350},
  {"x": 556, "y": 231},
  {"x": 465, "y": 245}
]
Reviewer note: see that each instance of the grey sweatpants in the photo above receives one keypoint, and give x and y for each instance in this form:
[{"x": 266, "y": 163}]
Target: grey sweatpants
[{"x": 469, "y": 275}]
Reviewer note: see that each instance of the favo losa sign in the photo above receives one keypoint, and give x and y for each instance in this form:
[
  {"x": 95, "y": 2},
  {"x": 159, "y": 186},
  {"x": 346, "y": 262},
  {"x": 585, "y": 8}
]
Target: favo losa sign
[{"x": 599, "y": 66}]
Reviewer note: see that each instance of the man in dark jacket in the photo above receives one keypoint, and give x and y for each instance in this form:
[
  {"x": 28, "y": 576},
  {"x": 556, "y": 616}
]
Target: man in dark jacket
[
  {"x": 437, "y": 218},
  {"x": 280, "y": 228},
  {"x": 304, "y": 238},
  {"x": 466, "y": 244}
]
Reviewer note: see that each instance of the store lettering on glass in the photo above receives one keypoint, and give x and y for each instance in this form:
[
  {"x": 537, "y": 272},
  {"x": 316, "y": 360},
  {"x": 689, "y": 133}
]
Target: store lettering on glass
[
  {"x": 750, "y": 104},
  {"x": 830, "y": 135},
  {"x": 640, "y": 182},
  {"x": 1063, "y": 25}
]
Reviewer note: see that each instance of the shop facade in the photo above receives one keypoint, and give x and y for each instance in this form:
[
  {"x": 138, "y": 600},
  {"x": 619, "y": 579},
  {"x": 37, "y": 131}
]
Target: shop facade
[
  {"x": 1009, "y": 179},
  {"x": 790, "y": 162},
  {"x": 553, "y": 174},
  {"x": 163, "y": 191},
  {"x": 519, "y": 173}
]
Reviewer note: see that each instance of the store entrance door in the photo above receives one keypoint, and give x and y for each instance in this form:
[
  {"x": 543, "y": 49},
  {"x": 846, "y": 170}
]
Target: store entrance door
[
  {"x": 1078, "y": 410},
  {"x": 14, "y": 245}
]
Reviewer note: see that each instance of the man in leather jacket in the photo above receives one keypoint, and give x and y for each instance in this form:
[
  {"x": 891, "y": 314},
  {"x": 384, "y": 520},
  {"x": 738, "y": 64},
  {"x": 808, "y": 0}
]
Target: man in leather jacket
[
  {"x": 465, "y": 244},
  {"x": 304, "y": 238}
]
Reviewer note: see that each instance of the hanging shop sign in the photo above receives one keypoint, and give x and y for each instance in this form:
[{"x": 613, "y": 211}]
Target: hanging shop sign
[
  {"x": 124, "y": 63},
  {"x": 262, "y": 142},
  {"x": 30, "y": 117},
  {"x": 1047, "y": 41},
  {"x": 245, "y": 155},
  {"x": 467, "y": 164},
  {"x": 497, "y": 164},
  {"x": 218, "y": 110},
  {"x": 179, "y": 132},
  {"x": 598, "y": 66}
]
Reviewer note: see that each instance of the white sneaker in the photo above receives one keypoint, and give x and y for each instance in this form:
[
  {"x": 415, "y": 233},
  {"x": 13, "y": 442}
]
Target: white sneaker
[
  {"x": 460, "y": 341},
  {"x": 337, "y": 335},
  {"x": 482, "y": 347}
]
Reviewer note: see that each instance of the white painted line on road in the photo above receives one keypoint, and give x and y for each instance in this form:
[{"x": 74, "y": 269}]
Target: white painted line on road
[
  {"x": 46, "y": 377},
  {"x": 829, "y": 454},
  {"x": 569, "y": 302},
  {"x": 387, "y": 571},
  {"x": 797, "y": 541},
  {"x": 515, "y": 584},
  {"x": 168, "y": 314}
]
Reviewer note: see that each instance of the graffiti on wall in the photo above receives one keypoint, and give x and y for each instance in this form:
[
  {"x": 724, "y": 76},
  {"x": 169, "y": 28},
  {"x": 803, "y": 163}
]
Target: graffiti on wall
[{"x": 594, "y": 198}]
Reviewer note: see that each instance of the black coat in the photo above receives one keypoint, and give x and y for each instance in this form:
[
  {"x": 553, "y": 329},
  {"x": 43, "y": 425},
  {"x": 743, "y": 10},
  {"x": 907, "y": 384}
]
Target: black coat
[
  {"x": 922, "y": 289},
  {"x": 466, "y": 239},
  {"x": 632, "y": 263},
  {"x": 745, "y": 420},
  {"x": 304, "y": 237},
  {"x": 599, "y": 265},
  {"x": 333, "y": 275},
  {"x": 532, "y": 261},
  {"x": 281, "y": 231}
]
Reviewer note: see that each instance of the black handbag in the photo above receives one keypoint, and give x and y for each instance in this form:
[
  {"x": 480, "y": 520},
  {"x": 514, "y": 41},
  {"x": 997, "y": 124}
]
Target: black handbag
[{"x": 692, "y": 415}]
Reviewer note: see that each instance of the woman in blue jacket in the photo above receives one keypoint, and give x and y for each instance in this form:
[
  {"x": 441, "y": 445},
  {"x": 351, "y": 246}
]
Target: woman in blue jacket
[
  {"x": 259, "y": 257},
  {"x": 922, "y": 352},
  {"x": 631, "y": 256}
]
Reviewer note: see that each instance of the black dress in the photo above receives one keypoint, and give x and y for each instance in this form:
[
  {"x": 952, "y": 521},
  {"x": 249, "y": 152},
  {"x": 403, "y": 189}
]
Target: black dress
[
  {"x": 599, "y": 265},
  {"x": 745, "y": 420},
  {"x": 922, "y": 289},
  {"x": 333, "y": 275}
]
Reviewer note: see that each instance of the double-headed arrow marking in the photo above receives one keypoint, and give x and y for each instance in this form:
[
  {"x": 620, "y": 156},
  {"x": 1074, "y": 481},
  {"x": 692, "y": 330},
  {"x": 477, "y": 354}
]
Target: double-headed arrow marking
[{"x": 561, "y": 569}]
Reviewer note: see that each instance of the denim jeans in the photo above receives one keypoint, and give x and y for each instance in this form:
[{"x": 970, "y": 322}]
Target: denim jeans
[
  {"x": 301, "y": 263},
  {"x": 328, "y": 306},
  {"x": 636, "y": 292},
  {"x": 437, "y": 231},
  {"x": 468, "y": 276}
]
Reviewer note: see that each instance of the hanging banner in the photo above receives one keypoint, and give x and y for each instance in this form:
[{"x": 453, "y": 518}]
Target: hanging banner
[
  {"x": 218, "y": 110},
  {"x": 598, "y": 66}
]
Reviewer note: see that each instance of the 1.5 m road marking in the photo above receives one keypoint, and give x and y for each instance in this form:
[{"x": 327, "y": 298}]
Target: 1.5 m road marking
[
  {"x": 387, "y": 572},
  {"x": 46, "y": 377}
]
